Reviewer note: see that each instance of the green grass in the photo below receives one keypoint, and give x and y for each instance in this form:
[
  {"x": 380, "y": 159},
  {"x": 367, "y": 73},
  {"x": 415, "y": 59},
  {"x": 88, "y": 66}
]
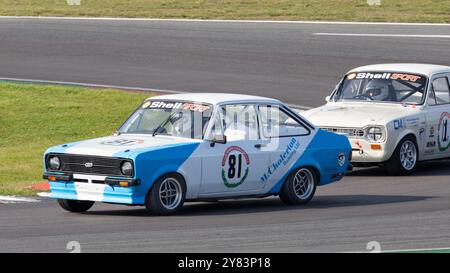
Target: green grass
[
  {"x": 342, "y": 10},
  {"x": 35, "y": 117}
]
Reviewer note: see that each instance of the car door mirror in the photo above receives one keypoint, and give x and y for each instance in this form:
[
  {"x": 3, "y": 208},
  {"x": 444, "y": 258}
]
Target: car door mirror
[
  {"x": 219, "y": 138},
  {"x": 327, "y": 98}
]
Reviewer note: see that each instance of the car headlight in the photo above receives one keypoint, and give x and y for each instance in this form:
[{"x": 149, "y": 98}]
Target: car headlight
[
  {"x": 126, "y": 168},
  {"x": 374, "y": 134},
  {"x": 54, "y": 163}
]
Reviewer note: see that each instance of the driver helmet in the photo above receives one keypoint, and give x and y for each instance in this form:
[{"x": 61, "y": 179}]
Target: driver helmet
[{"x": 377, "y": 89}]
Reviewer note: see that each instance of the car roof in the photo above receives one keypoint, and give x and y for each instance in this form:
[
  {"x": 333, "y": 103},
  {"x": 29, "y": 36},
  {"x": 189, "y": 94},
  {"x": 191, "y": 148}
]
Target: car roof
[
  {"x": 215, "y": 98},
  {"x": 415, "y": 68}
]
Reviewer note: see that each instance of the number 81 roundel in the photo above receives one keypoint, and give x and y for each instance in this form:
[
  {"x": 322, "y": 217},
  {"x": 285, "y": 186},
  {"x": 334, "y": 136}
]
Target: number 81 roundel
[{"x": 235, "y": 166}]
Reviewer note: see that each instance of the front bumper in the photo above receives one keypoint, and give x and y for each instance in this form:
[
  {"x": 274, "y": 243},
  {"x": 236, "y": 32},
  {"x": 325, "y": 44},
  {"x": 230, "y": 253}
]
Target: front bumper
[
  {"x": 93, "y": 188},
  {"x": 364, "y": 151}
]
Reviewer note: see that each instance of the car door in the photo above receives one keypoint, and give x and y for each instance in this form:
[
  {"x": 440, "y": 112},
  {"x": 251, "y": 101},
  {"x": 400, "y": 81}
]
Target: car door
[
  {"x": 288, "y": 136},
  {"x": 234, "y": 168},
  {"x": 438, "y": 118}
]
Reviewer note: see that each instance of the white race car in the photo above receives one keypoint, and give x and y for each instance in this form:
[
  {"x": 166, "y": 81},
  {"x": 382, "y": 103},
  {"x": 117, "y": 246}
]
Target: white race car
[
  {"x": 187, "y": 147},
  {"x": 394, "y": 114}
]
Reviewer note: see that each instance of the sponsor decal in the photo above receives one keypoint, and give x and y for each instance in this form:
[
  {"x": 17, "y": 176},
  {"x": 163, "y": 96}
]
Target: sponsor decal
[
  {"x": 431, "y": 132},
  {"x": 412, "y": 122},
  {"x": 444, "y": 132},
  {"x": 123, "y": 142},
  {"x": 196, "y": 107},
  {"x": 405, "y": 77},
  {"x": 385, "y": 76},
  {"x": 235, "y": 166},
  {"x": 428, "y": 152},
  {"x": 146, "y": 104},
  {"x": 421, "y": 131},
  {"x": 282, "y": 160},
  {"x": 398, "y": 123},
  {"x": 341, "y": 159},
  {"x": 358, "y": 144},
  {"x": 431, "y": 144}
]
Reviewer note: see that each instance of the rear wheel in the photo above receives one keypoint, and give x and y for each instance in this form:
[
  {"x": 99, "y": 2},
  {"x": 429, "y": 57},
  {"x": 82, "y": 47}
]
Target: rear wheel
[
  {"x": 299, "y": 187},
  {"x": 75, "y": 205},
  {"x": 167, "y": 195},
  {"x": 404, "y": 159}
]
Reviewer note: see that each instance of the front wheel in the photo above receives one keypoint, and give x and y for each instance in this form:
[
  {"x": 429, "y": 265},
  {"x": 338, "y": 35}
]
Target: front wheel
[
  {"x": 299, "y": 187},
  {"x": 404, "y": 159},
  {"x": 167, "y": 195},
  {"x": 75, "y": 205}
]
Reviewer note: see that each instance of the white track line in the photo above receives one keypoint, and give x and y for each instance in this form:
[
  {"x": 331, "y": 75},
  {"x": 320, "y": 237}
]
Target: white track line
[
  {"x": 16, "y": 199},
  {"x": 131, "y": 88},
  {"x": 414, "y": 250},
  {"x": 383, "y": 35},
  {"x": 43, "y": 194},
  {"x": 219, "y": 20},
  {"x": 402, "y": 250},
  {"x": 92, "y": 85}
]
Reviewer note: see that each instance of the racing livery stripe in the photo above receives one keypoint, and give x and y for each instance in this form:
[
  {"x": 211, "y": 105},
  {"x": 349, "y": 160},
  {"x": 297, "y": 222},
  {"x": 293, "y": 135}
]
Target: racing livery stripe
[{"x": 319, "y": 154}]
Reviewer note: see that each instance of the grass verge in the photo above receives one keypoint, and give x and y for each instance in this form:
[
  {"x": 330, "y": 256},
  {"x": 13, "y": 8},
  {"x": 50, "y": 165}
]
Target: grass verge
[
  {"x": 435, "y": 11},
  {"x": 35, "y": 117}
]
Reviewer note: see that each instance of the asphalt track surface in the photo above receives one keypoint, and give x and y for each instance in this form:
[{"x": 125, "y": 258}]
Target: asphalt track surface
[{"x": 286, "y": 61}]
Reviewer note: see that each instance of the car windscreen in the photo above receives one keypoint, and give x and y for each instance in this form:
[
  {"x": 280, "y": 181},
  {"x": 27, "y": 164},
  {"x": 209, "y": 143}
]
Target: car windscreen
[
  {"x": 172, "y": 118},
  {"x": 382, "y": 87}
]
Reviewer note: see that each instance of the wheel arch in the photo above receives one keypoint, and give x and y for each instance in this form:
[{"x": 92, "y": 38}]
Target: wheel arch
[
  {"x": 402, "y": 137},
  {"x": 313, "y": 168},
  {"x": 170, "y": 173},
  {"x": 394, "y": 166},
  {"x": 390, "y": 152}
]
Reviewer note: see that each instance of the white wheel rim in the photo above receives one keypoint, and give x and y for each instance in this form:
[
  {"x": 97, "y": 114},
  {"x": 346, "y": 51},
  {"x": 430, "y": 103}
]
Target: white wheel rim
[
  {"x": 170, "y": 193},
  {"x": 303, "y": 183},
  {"x": 408, "y": 155}
]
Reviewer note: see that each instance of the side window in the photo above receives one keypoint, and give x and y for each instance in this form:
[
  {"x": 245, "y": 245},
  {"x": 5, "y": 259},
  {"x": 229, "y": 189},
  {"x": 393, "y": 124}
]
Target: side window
[
  {"x": 277, "y": 123},
  {"x": 441, "y": 90},
  {"x": 240, "y": 122},
  {"x": 431, "y": 97}
]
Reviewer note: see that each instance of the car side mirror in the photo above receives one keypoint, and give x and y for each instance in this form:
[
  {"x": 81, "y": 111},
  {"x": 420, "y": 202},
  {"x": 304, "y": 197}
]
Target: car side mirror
[
  {"x": 327, "y": 98},
  {"x": 221, "y": 139}
]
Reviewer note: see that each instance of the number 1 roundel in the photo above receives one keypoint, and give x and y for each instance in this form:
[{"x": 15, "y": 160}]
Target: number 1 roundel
[
  {"x": 235, "y": 166},
  {"x": 444, "y": 132}
]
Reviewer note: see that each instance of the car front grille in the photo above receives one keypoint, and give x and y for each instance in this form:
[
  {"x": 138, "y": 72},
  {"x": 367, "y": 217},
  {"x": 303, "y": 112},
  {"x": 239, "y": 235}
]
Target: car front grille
[
  {"x": 96, "y": 165},
  {"x": 349, "y": 132}
]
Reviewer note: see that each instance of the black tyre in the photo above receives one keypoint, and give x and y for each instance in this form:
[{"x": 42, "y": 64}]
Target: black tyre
[
  {"x": 300, "y": 187},
  {"x": 405, "y": 157},
  {"x": 167, "y": 195},
  {"x": 75, "y": 205}
]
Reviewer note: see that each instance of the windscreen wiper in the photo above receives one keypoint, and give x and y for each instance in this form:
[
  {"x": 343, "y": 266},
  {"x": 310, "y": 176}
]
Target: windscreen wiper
[{"x": 155, "y": 132}]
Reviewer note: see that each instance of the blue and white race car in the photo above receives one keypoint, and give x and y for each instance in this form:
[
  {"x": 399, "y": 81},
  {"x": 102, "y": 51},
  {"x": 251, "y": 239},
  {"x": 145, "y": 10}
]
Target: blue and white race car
[{"x": 175, "y": 148}]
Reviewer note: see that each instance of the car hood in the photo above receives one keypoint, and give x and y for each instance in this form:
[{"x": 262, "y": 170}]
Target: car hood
[
  {"x": 357, "y": 115},
  {"x": 122, "y": 144}
]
